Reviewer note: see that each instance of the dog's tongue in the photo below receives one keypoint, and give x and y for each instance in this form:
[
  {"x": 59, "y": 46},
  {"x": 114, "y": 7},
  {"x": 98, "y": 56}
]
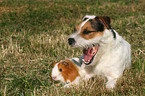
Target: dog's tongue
[{"x": 89, "y": 53}]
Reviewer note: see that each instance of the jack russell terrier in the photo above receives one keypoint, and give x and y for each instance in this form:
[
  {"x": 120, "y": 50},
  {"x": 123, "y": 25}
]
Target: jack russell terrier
[{"x": 105, "y": 52}]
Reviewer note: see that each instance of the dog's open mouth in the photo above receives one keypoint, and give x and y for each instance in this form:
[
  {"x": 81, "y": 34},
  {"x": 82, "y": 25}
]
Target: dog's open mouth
[{"x": 89, "y": 54}]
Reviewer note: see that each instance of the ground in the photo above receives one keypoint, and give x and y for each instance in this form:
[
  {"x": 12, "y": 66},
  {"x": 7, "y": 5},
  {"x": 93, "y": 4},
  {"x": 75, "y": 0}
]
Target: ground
[{"x": 34, "y": 33}]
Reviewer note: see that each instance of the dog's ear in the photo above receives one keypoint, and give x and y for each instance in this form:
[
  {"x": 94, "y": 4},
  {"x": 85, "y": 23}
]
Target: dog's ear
[{"x": 105, "y": 20}]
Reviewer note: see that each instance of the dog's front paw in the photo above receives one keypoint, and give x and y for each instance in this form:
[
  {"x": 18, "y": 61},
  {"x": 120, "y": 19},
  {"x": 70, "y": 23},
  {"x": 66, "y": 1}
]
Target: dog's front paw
[{"x": 110, "y": 85}]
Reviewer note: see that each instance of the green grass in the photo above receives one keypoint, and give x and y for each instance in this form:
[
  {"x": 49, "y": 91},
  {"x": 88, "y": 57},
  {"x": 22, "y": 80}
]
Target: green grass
[{"x": 34, "y": 33}]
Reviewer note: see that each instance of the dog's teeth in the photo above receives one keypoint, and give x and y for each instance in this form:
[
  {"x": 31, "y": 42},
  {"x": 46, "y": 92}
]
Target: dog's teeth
[
  {"x": 83, "y": 60},
  {"x": 93, "y": 53},
  {"x": 87, "y": 62}
]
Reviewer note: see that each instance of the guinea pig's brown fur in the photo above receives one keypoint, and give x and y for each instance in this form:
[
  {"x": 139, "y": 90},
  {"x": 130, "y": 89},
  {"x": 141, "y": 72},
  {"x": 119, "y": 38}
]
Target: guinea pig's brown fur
[{"x": 69, "y": 70}]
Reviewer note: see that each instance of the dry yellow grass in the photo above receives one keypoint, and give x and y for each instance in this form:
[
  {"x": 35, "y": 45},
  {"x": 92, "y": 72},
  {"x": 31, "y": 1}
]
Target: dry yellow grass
[{"x": 34, "y": 34}]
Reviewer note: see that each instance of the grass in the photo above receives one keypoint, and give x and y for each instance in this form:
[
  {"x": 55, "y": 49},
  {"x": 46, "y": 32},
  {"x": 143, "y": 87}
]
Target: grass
[{"x": 34, "y": 33}]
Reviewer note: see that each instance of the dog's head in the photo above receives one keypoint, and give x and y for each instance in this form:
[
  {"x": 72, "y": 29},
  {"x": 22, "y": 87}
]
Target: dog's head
[
  {"x": 88, "y": 34},
  {"x": 89, "y": 31}
]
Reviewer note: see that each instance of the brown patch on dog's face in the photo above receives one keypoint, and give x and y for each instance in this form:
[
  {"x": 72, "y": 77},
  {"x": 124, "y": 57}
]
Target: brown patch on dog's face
[
  {"x": 91, "y": 29},
  {"x": 68, "y": 70}
]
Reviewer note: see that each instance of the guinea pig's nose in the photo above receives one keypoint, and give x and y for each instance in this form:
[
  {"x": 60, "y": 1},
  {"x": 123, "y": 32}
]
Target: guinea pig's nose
[{"x": 71, "y": 41}]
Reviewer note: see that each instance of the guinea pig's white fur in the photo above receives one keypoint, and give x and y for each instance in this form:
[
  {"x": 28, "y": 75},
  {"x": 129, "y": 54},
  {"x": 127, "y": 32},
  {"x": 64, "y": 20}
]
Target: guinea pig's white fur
[{"x": 68, "y": 71}]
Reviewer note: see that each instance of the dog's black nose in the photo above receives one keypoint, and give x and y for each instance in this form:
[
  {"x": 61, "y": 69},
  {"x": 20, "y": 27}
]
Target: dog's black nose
[{"x": 71, "y": 41}]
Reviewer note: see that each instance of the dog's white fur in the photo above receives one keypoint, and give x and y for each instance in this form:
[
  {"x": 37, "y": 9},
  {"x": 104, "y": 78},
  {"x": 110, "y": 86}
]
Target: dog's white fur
[{"x": 114, "y": 55}]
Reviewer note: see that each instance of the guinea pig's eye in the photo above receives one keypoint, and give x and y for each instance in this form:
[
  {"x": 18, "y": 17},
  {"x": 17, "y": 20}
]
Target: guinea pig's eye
[{"x": 60, "y": 70}]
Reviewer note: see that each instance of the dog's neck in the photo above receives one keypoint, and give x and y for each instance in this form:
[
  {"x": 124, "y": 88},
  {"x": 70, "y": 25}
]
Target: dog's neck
[
  {"x": 107, "y": 44},
  {"x": 108, "y": 37}
]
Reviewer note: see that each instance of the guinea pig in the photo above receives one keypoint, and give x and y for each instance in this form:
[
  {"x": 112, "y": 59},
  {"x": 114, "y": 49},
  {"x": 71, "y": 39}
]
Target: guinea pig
[{"x": 67, "y": 71}]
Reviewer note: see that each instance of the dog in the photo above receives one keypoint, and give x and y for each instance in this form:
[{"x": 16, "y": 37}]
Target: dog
[{"x": 105, "y": 52}]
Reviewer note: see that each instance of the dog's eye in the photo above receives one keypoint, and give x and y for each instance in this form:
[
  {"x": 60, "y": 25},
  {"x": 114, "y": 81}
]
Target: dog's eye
[
  {"x": 60, "y": 70},
  {"x": 87, "y": 32},
  {"x": 85, "y": 19},
  {"x": 75, "y": 29}
]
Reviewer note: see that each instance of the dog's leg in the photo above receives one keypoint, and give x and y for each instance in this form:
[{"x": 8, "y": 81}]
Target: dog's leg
[
  {"x": 85, "y": 72},
  {"x": 88, "y": 76},
  {"x": 111, "y": 82}
]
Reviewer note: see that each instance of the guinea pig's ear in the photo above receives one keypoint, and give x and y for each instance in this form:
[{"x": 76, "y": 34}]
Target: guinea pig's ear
[
  {"x": 53, "y": 64},
  {"x": 65, "y": 63}
]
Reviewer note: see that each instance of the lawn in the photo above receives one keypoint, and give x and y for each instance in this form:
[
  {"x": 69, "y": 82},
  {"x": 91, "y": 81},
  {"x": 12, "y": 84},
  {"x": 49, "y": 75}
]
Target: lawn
[{"x": 34, "y": 33}]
